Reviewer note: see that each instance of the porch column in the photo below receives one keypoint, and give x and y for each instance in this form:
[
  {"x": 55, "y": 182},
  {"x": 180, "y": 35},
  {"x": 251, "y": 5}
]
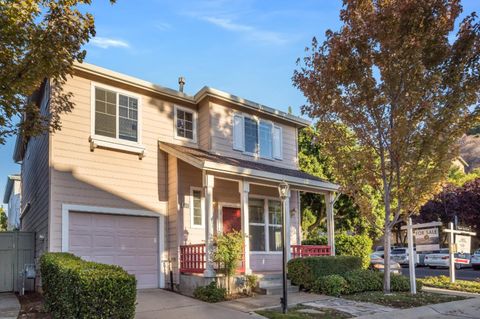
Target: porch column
[
  {"x": 244, "y": 189},
  {"x": 330, "y": 201},
  {"x": 208, "y": 181},
  {"x": 288, "y": 226}
]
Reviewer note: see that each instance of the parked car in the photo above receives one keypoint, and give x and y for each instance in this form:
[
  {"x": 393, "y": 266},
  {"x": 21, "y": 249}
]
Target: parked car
[
  {"x": 378, "y": 263},
  {"x": 380, "y": 250},
  {"x": 441, "y": 258},
  {"x": 475, "y": 260},
  {"x": 401, "y": 256},
  {"x": 421, "y": 257}
]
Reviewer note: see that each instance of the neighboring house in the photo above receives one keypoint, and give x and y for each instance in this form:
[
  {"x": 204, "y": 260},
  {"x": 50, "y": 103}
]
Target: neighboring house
[
  {"x": 12, "y": 198},
  {"x": 141, "y": 175},
  {"x": 470, "y": 151}
]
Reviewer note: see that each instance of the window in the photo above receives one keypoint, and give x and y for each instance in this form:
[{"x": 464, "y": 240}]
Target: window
[
  {"x": 185, "y": 123},
  {"x": 257, "y": 137},
  {"x": 196, "y": 210},
  {"x": 116, "y": 115},
  {"x": 251, "y": 135},
  {"x": 265, "y": 225}
]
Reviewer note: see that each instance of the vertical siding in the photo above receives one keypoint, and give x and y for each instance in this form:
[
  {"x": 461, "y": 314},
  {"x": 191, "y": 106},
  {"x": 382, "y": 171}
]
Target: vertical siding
[{"x": 222, "y": 138}]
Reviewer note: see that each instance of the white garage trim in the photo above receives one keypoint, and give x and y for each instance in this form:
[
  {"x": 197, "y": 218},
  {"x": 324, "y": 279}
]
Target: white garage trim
[{"x": 67, "y": 208}]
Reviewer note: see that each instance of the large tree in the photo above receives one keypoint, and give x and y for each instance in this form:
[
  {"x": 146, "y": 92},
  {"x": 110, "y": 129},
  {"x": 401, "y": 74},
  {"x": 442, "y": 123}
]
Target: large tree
[
  {"x": 39, "y": 39},
  {"x": 392, "y": 91}
]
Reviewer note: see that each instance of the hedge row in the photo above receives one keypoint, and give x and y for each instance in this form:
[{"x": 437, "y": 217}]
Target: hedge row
[
  {"x": 304, "y": 272},
  {"x": 348, "y": 245},
  {"x": 360, "y": 281},
  {"x": 74, "y": 288}
]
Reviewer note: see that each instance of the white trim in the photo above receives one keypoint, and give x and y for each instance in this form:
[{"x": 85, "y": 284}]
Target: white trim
[
  {"x": 194, "y": 124},
  {"x": 116, "y": 143},
  {"x": 67, "y": 208},
  {"x": 266, "y": 224},
  {"x": 202, "y": 207},
  {"x": 220, "y": 206}
]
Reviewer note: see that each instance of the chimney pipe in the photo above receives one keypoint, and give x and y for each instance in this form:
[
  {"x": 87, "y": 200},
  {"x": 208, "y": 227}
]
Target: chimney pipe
[{"x": 181, "y": 83}]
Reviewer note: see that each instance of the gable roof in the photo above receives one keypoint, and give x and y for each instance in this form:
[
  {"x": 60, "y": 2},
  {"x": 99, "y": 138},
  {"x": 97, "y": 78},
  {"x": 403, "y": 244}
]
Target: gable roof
[
  {"x": 8, "y": 189},
  {"x": 223, "y": 164}
]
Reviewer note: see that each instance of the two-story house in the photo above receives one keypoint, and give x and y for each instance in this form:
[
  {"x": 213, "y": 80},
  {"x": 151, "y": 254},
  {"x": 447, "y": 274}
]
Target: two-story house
[
  {"x": 144, "y": 177},
  {"x": 12, "y": 198}
]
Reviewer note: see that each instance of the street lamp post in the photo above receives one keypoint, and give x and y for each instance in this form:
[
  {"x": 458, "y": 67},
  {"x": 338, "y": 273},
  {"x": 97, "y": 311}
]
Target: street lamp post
[{"x": 283, "y": 190}]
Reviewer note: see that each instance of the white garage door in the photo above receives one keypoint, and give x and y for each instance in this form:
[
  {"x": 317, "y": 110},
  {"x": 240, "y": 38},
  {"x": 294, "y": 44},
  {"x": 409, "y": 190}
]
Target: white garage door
[{"x": 128, "y": 241}]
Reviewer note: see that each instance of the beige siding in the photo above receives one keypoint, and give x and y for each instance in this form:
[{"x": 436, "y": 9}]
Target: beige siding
[
  {"x": 222, "y": 137},
  {"x": 204, "y": 131},
  {"x": 36, "y": 191},
  {"x": 108, "y": 177},
  {"x": 173, "y": 225}
]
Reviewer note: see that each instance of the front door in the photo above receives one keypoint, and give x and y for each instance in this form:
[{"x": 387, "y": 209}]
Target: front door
[{"x": 232, "y": 219}]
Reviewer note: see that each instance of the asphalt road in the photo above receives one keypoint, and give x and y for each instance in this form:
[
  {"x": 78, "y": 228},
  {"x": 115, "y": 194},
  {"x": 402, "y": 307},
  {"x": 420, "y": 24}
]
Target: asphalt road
[{"x": 464, "y": 273}]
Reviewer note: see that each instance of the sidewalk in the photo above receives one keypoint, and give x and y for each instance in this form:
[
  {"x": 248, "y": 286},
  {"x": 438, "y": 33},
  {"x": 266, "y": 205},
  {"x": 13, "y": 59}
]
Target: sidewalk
[
  {"x": 9, "y": 305},
  {"x": 468, "y": 308}
]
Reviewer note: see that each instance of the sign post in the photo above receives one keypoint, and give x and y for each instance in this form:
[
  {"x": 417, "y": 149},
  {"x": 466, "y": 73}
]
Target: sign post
[
  {"x": 411, "y": 252},
  {"x": 452, "y": 246}
]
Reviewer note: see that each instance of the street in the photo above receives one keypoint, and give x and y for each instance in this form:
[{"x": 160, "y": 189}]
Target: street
[{"x": 465, "y": 273}]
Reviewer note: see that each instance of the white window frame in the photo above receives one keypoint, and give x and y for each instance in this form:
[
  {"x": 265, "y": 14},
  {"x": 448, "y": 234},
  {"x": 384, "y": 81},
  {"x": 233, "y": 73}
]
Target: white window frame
[
  {"x": 194, "y": 128},
  {"x": 266, "y": 224},
  {"x": 202, "y": 207},
  {"x": 110, "y": 142},
  {"x": 257, "y": 153}
]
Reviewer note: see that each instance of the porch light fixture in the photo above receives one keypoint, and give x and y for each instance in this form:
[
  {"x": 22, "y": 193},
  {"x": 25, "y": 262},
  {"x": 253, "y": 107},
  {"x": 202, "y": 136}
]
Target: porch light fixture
[{"x": 283, "y": 191}]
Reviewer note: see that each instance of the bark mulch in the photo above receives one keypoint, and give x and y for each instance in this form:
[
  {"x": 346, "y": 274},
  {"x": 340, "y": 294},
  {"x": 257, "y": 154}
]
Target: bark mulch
[{"x": 31, "y": 307}]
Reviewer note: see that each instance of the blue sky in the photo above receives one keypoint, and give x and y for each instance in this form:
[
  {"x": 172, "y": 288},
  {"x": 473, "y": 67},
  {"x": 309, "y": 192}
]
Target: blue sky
[{"x": 245, "y": 47}]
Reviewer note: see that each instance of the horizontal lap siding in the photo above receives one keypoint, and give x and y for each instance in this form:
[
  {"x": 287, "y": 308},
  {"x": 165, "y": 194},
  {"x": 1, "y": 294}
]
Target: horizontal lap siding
[
  {"x": 106, "y": 177},
  {"x": 222, "y": 138}
]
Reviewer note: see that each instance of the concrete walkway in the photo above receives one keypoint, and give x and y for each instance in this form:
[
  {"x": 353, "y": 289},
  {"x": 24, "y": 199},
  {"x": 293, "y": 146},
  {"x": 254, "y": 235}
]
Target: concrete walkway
[
  {"x": 9, "y": 306},
  {"x": 158, "y": 303}
]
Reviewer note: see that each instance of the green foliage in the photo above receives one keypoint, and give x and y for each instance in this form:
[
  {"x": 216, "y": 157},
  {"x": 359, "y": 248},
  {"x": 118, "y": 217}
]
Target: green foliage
[
  {"x": 347, "y": 245},
  {"x": 402, "y": 283},
  {"x": 210, "y": 293},
  {"x": 458, "y": 178},
  {"x": 332, "y": 285},
  {"x": 444, "y": 283},
  {"x": 39, "y": 39},
  {"x": 304, "y": 272},
  {"x": 251, "y": 282},
  {"x": 229, "y": 251},
  {"x": 363, "y": 280},
  {"x": 3, "y": 220},
  {"x": 74, "y": 288}
]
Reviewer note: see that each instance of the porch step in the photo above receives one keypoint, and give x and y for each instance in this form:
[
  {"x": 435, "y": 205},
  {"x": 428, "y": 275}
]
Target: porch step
[{"x": 271, "y": 284}]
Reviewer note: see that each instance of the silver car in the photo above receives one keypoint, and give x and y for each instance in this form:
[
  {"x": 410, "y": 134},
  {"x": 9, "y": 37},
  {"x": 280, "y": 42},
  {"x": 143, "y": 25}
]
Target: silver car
[
  {"x": 401, "y": 256},
  {"x": 475, "y": 260}
]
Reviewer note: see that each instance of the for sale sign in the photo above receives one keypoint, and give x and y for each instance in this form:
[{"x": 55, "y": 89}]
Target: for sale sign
[
  {"x": 427, "y": 239},
  {"x": 463, "y": 243}
]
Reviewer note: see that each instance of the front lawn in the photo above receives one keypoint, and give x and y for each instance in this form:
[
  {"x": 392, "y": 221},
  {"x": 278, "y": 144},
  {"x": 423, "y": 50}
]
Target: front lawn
[
  {"x": 459, "y": 285},
  {"x": 402, "y": 299},
  {"x": 302, "y": 312}
]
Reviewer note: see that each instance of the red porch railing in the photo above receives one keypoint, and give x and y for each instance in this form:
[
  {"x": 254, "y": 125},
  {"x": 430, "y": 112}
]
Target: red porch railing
[
  {"x": 299, "y": 251},
  {"x": 192, "y": 259}
]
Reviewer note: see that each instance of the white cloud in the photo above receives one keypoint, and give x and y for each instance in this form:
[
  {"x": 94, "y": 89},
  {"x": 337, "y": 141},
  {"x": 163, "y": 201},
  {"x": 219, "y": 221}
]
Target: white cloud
[
  {"x": 106, "y": 43},
  {"x": 250, "y": 31},
  {"x": 163, "y": 26}
]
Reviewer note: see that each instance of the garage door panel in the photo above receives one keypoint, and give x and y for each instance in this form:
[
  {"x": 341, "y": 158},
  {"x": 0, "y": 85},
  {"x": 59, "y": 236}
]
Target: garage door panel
[{"x": 127, "y": 241}]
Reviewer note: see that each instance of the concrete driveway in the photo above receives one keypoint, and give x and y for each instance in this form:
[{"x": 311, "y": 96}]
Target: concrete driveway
[{"x": 158, "y": 303}]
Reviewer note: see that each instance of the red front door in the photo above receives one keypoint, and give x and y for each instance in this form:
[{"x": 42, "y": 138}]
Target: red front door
[{"x": 232, "y": 219}]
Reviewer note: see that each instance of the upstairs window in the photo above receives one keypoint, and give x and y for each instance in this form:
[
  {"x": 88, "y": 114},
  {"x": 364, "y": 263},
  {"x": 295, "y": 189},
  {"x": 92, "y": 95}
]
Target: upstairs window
[
  {"x": 257, "y": 137},
  {"x": 116, "y": 115},
  {"x": 185, "y": 123}
]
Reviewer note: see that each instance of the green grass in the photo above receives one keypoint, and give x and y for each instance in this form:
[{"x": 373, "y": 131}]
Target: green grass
[
  {"x": 402, "y": 299},
  {"x": 459, "y": 285},
  {"x": 293, "y": 313}
]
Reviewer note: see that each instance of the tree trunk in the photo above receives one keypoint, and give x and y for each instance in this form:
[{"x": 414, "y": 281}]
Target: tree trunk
[{"x": 386, "y": 258}]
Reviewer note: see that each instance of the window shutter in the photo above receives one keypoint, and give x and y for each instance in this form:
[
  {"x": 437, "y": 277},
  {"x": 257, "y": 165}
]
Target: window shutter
[
  {"x": 238, "y": 132},
  {"x": 277, "y": 143}
]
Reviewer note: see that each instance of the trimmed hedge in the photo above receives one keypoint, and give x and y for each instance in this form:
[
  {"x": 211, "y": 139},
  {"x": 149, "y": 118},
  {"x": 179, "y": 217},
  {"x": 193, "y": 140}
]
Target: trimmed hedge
[
  {"x": 459, "y": 285},
  {"x": 75, "y": 288},
  {"x": 332, "y": 285},
  {"x": 304, "y": 272},
  {"x": 362, "y": 280},
  {"x": 348, "y": 245}
]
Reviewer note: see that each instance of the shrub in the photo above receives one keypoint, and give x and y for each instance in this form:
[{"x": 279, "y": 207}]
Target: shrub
[
  {"x": 229, "y": 253},
  {"x": 210, "y": 293},
  {"x": 399, "y": 283},
  {"x": 361, "y": 280},
  {"x": 348, "y": 245},
  {"x": 444, "y": 282},
  {"x": 74, "y": 288},
  {"x": 251, "y": 282},
  {"x": 304, "y": 272},
  {"x": 332, "y": 285}
]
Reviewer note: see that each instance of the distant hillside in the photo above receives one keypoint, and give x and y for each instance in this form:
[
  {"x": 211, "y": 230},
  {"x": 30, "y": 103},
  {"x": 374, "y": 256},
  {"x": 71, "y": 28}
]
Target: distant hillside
[{"x": 470, "y": 150}]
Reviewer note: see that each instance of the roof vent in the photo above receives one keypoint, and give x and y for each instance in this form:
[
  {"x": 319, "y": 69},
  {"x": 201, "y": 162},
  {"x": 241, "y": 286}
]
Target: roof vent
[{"x": 181, "y": 83}]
